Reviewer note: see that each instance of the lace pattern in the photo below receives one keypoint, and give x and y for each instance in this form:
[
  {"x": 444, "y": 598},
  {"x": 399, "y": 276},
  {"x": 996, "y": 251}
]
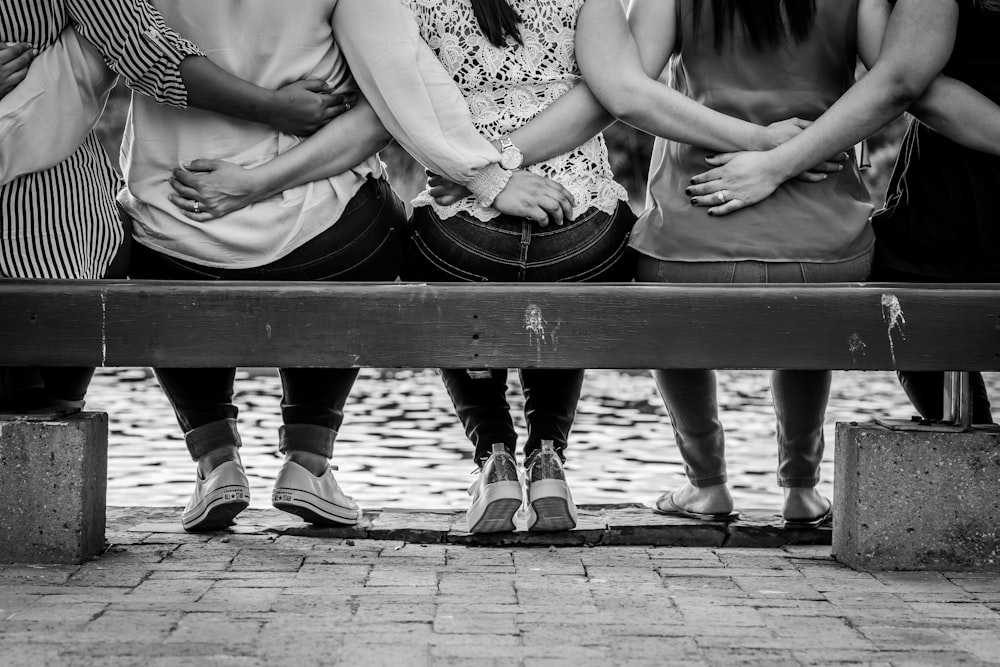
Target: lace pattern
[{"x": 505, "y": 88}]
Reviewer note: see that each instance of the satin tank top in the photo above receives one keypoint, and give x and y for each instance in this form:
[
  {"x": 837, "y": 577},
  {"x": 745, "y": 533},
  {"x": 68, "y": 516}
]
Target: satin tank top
[{"x": 800, "y": 222}]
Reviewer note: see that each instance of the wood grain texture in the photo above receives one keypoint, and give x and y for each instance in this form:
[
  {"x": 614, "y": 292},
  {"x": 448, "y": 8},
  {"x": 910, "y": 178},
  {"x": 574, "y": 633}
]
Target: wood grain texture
[{"x": 386, "y": 325}]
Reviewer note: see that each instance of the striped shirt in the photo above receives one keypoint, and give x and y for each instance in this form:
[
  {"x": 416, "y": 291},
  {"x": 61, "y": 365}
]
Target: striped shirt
[{"x": 63, "y": 222}]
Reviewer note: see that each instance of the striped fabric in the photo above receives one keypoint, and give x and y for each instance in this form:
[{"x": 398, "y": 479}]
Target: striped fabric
[{"x": 63, "y": 222}]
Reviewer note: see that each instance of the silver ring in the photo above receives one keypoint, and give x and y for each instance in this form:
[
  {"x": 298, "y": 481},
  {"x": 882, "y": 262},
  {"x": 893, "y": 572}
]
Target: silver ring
[
  {"x": 721, "y": 196},
  {"x": 197, "y": 207},
  {"x": 347, "y": 106}
]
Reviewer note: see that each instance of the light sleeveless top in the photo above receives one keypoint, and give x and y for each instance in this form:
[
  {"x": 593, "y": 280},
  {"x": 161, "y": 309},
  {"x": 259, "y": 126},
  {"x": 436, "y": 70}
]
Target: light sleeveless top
[{"x": 800, "y": 222}]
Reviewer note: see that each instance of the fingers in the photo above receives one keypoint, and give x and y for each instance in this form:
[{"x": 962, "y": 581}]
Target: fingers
[
  {"x": 201, "y": 164},
  {"x": 185, "y": 191},
  {"x": 446, "y": 200},
  {"x": 718, "y": 160},
  {"x": 184, "y": 178},
  {"x": 314, "y": 85},
  {"x": 11, "y": 52},
  {"x": 811, "y": 177},
  {"x": 191, "y": 209},
  {"x": 554, "y": 210},
  {"x": 727, "y": 208},
  {"x": 706, "y": 188}
]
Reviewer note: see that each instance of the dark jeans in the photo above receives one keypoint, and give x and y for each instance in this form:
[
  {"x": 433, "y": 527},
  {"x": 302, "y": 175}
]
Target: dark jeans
[
  {"x": 592, "y": 248},
  {"x": 799, "y": 397},
  {"x": 33, "y": 388},
  {"x": 925, "y": 389},
  {"x": 366, "y": 243}
]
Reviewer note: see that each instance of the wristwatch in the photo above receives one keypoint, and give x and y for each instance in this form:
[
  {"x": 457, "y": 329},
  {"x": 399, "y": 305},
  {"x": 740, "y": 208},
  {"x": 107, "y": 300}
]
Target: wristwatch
[{"x": 510, "y": 155}]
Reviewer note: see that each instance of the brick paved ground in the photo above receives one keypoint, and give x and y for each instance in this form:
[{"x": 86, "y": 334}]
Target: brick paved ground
[{"x": 265, "y": 597}]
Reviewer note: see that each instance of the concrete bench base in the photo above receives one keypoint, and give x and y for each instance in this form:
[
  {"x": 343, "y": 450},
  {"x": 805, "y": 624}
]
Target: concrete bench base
[
  {"x": 53, "y": 484},
  {"x": 917, "y": 499}
]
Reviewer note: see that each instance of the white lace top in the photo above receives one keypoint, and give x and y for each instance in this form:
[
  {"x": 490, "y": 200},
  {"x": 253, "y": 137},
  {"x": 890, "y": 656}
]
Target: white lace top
[{"x": 506, "y": 87}]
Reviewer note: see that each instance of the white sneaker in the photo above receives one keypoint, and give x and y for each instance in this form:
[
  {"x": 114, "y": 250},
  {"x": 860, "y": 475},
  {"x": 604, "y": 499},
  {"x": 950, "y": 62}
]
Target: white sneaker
[
  {"x": 218, "y": 498},
  {"x": 550, "y": 504},
  {"x": 496, "y": 495},
  {"x": 318, "y": 500}
]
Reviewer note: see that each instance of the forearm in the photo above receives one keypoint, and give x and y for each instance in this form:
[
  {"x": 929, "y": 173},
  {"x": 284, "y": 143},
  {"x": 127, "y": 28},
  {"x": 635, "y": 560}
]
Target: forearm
[
  {"x": 917, "y": 44},
  {"x": 341, "y": 145},
  {"x": 657, "y": 109},
  {"x": 961, "y": 113},
  {"x": 412, "y": 94},
  {"x": 569, "y": 122},
  {"x": 620, "y": 69},
  {"x": 213, "y": 89}
]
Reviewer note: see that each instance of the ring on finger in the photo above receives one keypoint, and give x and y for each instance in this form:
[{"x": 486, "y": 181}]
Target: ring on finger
[
  {"x": 197, "y": 207},
  {"x": 721, "y": 196}
]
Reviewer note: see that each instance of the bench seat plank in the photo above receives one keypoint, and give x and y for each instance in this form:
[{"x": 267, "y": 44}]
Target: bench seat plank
[{"x": 388, "y": 325}]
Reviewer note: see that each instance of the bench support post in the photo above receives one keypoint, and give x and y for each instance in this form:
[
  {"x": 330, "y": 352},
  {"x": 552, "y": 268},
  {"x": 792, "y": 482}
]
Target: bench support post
[
  {"x": 917, "y": 498},
  {"x": 53, "y": 487}
]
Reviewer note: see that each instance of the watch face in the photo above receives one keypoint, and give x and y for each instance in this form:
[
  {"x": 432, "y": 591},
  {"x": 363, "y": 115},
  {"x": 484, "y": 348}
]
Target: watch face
[{"x": 511, "y": 158}]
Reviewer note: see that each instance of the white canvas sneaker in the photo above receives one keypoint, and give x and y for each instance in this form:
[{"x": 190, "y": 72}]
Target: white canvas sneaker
[
  {"x": 318, "y": 500},
  {"x": 496, "y": 495},
  {"x": 217, "y": 498},
  {"x": 550, "y": 504}
]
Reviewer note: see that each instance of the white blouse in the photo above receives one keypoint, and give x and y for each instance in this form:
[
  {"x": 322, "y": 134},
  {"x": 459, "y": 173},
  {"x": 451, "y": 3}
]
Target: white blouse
[{"x": 507, "y": 87}]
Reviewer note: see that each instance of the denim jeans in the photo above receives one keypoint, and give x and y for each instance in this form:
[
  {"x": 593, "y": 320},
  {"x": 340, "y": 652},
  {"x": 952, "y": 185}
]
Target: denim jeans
[
  {"x": 592, "y": 248},
  {"x": 799, "y": 397},
  {"x": 366, "y": 243},
  {"x": 925, "y": 389}
]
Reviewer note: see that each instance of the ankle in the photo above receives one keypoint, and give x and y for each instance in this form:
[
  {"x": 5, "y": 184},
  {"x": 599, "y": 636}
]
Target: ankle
[
  {"x": 314, "y": 463},
  {"x": 211, "y": 460}
]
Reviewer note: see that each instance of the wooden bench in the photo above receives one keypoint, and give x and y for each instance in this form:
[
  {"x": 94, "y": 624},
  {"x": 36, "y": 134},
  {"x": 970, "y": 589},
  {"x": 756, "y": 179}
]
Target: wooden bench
[{"x": 635, "y": 326}]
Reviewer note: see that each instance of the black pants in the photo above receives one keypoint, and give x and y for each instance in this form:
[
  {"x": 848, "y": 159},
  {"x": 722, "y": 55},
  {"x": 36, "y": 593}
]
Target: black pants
[
  {"x": 594, "y": 247},
  {"x": 366, "y": 243}
]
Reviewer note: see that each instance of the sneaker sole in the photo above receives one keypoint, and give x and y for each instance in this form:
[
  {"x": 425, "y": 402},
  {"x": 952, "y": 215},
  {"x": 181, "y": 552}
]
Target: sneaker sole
[
  {"x": 218, "y": 509},
  {"x": 500, "y": 502},
  {"x": 552, "y": 505},
  {"x": 314, "y": 509}
]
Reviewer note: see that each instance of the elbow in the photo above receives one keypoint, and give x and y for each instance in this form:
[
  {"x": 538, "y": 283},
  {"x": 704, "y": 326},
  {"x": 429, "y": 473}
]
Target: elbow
[
  {"x": 622, "y": 102},
  {"x": 902, "y": 89}
]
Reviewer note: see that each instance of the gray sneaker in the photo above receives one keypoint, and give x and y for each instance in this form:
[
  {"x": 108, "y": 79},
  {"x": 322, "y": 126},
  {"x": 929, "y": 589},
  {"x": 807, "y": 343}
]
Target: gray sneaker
[
  {"x": 550, "y": 504},
  {"x": 496, "y": 495}
]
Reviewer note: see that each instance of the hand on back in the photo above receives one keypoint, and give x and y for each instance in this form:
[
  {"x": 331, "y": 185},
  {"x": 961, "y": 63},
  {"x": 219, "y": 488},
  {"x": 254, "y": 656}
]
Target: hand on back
[
  {"x": 535, "y": 197},
  {"x": 303, "y": 107},
  {"x": 14, "y": 61}
]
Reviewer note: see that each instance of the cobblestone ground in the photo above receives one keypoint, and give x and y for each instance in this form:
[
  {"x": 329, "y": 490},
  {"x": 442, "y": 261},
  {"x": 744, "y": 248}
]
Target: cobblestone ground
[{"x": 259, "y": 599}]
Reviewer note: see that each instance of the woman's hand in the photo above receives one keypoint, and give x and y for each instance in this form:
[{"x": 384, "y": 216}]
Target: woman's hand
[
  {"x": 14, "y": 61},
  {"x": 740, "y": 180},
  {"x": 536, "y": 198},
  {"x": 303, "y": 107},
  {"x": 208, "y": 189},
  {"x": 444, "y": 191},
  {"x": 747, "y": 178}
]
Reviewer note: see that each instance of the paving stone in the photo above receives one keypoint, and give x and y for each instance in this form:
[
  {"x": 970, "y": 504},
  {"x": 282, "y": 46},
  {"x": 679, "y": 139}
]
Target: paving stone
[
  {"x": 393, "y": 602},
  {"x": 215, "y": 629}
]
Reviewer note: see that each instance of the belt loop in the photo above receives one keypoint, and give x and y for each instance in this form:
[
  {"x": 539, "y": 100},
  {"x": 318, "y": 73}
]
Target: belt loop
[{"x": 525, "y": 244}]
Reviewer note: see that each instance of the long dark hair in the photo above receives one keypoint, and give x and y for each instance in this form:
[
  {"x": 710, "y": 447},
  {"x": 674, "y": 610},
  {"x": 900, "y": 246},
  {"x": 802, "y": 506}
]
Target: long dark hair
[
  {"x": 497, "y": 20},
  {"x": 763, "y": 21},
  {"x": 987, "y": 5}
]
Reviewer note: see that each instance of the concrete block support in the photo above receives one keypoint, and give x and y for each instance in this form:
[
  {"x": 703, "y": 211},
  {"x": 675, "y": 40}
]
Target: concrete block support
[
  {"x": 916, "y": 500},
  {"x": 53, "y": 487}
]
